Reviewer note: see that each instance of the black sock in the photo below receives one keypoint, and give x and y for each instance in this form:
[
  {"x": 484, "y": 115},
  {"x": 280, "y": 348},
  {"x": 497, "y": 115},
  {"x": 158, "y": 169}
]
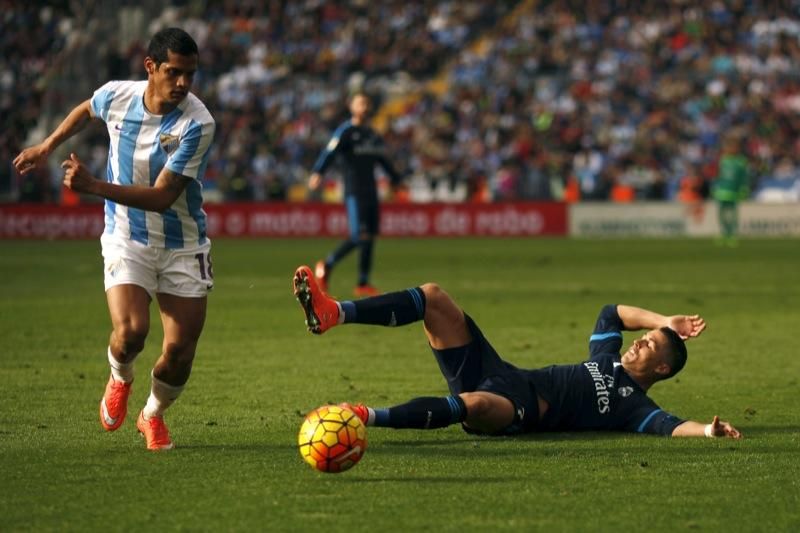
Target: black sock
[
  {"x": 423, "y": 413},
  {"x": 365, "y": 261},
  {"x": 390, "y": 309},
  {"x": 340, "y": 252}
]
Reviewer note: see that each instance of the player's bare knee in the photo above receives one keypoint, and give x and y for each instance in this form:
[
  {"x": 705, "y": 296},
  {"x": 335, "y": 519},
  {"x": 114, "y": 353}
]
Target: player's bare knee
[
  {"x": 482, "y": 414},
  {"x": 435, "y": 297},
  {"x": 487, "y": 412},
  {"x": 438, "y": 302},
  {"x": 445, "y": 325},
  {"x": 477, "y": 405},
  {"x": 180, "y": 353},
  {"x": 131, "y": 335}
]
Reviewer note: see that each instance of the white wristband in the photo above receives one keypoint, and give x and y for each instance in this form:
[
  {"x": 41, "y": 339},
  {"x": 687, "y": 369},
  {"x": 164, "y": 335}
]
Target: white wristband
[{"x": 709, "y": 431}]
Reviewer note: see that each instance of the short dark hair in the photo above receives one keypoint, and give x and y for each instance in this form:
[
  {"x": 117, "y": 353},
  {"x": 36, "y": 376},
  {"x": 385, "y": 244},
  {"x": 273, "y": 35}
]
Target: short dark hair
[
  {"x": 359, "y": 92},
  {"x": 677, "y": 351},
  {"x": 171, "y": 39}
]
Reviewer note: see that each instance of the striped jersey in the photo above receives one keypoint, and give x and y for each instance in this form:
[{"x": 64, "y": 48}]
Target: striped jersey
[{"x": 141, "y": 144}]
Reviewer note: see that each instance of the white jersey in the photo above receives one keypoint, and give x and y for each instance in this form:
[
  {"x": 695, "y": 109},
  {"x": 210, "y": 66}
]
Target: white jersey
[{"x": 141, "y": 145}]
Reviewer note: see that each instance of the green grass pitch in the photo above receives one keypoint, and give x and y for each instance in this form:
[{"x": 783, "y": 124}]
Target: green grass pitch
[{"x": 236, "y": 466}]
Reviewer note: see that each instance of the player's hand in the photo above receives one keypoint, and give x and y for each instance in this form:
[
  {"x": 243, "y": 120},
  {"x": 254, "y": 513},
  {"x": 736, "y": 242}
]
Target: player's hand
[
  {"x": 314, "y": 181},
  {"x": 687, "y": 326},
  {"x": 31, "y": 158},
  {"x": 720, "y": 428},
  {"x": 77, "y": 176}
]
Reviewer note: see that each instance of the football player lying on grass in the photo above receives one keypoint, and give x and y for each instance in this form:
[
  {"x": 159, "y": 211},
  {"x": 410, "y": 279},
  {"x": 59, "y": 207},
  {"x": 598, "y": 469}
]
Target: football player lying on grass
[{"x": 607, "y": 392}]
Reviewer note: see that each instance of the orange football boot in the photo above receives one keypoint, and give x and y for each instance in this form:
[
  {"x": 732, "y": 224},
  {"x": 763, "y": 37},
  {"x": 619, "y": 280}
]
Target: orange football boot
[
  {"x": 155, "y": 432},
  {"x": 114, "y": 405},
  {"x": 322, "y": 312},
  {"x": 359, "y": 409}
]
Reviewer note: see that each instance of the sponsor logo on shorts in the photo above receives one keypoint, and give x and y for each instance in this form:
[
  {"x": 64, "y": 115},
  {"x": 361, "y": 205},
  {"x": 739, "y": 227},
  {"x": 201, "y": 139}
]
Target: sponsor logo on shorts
[{"x": 113, "y": 268}]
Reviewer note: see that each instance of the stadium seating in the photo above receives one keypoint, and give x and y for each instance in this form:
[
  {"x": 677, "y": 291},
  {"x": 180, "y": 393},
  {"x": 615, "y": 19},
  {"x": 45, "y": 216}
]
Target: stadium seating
[
  {"x": 32, "y": 37},
  {"x": 617, "y": 101}
]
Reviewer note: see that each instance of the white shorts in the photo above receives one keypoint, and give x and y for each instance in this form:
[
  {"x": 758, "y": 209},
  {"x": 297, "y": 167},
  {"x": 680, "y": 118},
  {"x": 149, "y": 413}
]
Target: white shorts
[{"x": 182, "y": 272}]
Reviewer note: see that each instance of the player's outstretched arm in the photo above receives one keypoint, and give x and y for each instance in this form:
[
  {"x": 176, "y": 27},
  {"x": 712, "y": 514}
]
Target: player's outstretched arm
[
  {"x": 717, "y": 428},
  {"x": 636, "y": 318},
  {"x": 36, "y": 156},
  {"x": 167, "y": 188}
]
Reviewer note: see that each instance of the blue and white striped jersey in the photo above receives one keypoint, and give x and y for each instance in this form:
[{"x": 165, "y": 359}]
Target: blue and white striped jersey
[{"x": 141, "y": 144}]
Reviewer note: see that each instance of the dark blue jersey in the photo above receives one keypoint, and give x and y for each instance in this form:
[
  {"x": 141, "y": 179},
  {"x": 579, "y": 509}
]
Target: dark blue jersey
[
  {"x": 360, "y": 149},
  {"x": 598, "y": 394}
]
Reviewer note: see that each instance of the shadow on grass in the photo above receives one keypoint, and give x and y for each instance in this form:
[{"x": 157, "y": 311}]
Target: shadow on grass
[
  {"x": 528, "y": 437},
  {"x": 510, "y": 445},
  {"x": 249, "y": 447},
  {"x": 429, "y": 479},
  {"x": 589, "y": 444}
]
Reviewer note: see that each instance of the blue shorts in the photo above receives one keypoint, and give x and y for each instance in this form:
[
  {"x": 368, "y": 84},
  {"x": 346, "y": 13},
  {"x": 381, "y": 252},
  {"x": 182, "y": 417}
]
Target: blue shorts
[
  {"x": 363, "y": 218},
  {"x": 477, "y": 367}
]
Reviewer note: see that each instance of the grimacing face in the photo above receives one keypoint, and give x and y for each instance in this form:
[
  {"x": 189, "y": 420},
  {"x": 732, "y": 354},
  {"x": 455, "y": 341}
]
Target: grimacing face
[
  {"x": 173, "y": 78},
  {"x": 648, "y": 352}
]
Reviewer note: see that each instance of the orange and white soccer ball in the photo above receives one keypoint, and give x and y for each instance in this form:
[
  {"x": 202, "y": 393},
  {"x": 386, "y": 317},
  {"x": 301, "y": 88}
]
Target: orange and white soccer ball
[{"x": 332, "y": 439}]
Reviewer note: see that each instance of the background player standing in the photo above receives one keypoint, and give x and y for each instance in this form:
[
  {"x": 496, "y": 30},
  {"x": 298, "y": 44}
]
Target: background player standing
[
  {"x": 155, "y": 242},
  {"x": 731, "y": 186},
  {"x": 360, "y": 148}
]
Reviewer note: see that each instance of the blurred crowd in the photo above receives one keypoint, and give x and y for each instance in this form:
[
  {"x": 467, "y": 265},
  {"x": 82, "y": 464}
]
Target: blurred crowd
[
  {"x": 618, "y": 100},
  {"x": 279, "y": 75},
  {"x": 31, "y": 38},
  {"x": 603, "y": 100}
]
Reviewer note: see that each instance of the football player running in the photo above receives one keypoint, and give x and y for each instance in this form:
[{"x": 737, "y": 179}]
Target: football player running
[{"x": 155, "y": 243}]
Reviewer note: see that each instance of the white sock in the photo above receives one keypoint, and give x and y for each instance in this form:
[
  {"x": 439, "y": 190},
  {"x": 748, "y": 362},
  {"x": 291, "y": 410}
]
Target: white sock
[
  {"x": 120, "y": 371},
  {"x": 162, "y": 395},
  {"x": 370, "y": 416},
  {"x": 340, "y": 320}
]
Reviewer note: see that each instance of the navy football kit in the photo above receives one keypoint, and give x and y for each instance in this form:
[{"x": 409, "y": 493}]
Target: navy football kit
[
  {"x": 596, "y": 394},
  {"x": 360, "y": 148}
]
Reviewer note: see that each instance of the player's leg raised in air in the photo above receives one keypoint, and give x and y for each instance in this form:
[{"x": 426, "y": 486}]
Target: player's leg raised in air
[{"x": 450, "y": 337}]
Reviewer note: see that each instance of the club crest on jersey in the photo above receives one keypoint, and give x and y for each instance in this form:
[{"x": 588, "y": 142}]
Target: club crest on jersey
[
  {"x": 625, "y": 391},
  {"x": 168, "y": 142}
]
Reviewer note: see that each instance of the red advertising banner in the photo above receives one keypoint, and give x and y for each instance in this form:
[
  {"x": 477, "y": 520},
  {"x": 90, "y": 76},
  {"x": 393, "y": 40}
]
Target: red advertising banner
[
  {"x": 33, "y": 221},
  {"x": 308, "y": 220}
]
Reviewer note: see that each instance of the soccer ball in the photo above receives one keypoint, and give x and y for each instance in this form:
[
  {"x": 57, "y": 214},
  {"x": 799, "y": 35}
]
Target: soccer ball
[{"x": 332, "y": 439}]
